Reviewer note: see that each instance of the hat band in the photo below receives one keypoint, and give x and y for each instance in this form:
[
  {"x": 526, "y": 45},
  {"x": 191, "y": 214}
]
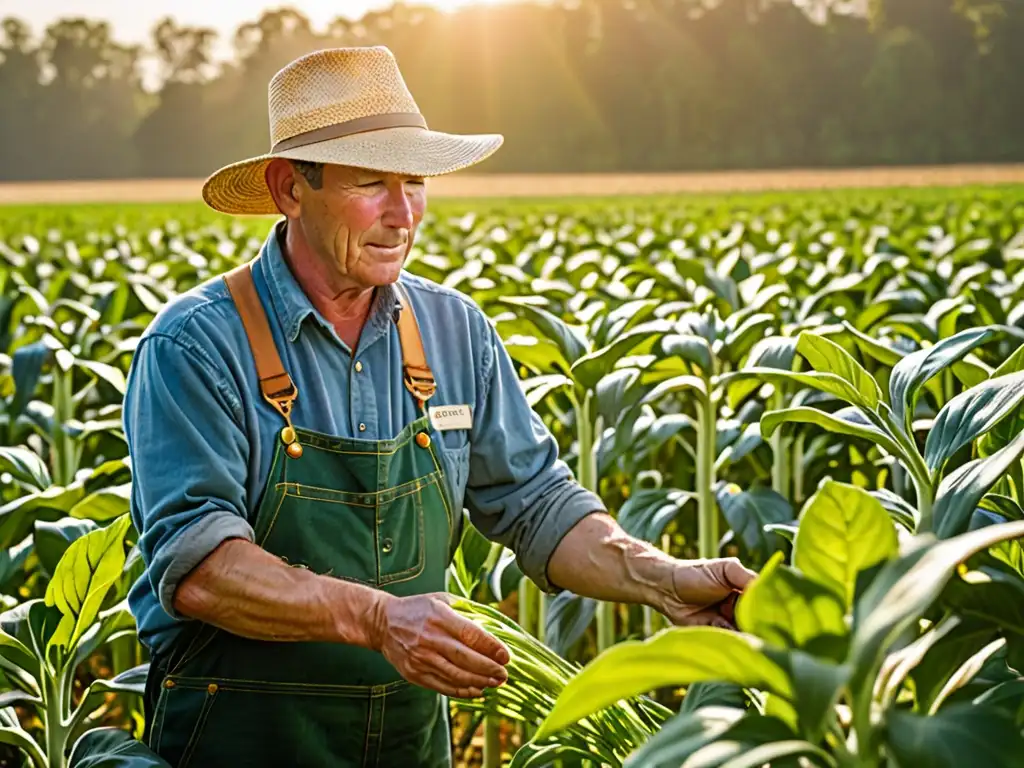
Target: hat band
[{"x": 349, "y": 127}]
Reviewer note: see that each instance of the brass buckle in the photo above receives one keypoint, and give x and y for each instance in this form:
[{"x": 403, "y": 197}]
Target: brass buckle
[
  {"x": 283, "y": 400},
  {"x": 422, "y": 389}
]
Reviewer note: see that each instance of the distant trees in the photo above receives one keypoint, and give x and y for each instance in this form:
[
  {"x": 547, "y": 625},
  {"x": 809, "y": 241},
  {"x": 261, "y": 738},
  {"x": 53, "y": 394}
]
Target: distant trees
[{"x": 594, "y": 85}]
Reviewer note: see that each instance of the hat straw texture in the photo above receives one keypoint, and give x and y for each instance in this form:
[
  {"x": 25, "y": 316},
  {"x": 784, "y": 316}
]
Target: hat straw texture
[{"x": 344, "y": 106}]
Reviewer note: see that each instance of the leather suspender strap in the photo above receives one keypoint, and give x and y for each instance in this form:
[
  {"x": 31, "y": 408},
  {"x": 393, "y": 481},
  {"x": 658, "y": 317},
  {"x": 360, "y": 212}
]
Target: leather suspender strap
[
  {"x": 419, "y": 379},
  {"x": 275, "y": 383}
]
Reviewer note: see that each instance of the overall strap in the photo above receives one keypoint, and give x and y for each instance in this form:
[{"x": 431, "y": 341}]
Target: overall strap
[
  {"x": 276, "y": 385},
  {"x": 419, "y": 379}
]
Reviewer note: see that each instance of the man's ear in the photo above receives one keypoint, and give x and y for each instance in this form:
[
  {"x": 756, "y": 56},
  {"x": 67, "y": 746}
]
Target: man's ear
[{"x": 284, "y": 187}]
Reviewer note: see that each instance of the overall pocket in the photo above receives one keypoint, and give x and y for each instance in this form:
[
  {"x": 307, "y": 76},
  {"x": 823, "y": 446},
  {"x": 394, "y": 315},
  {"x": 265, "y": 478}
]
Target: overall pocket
[{"x": 256, "y": 723}]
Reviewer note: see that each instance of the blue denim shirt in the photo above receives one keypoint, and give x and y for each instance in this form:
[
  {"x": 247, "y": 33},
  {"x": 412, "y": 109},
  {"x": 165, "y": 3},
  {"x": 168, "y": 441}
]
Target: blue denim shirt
[{"x": 201, "y": 437}]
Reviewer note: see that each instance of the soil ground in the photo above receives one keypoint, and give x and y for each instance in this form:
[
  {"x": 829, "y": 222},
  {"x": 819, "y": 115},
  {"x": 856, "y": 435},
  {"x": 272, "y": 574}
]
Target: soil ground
[{"x": 469, "y": 185}]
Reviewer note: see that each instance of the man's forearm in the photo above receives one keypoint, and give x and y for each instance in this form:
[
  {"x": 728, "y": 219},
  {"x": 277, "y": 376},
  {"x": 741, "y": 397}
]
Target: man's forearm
[
  {"x": 596, "y": 558},
  {"x": 249, "y": 592}
]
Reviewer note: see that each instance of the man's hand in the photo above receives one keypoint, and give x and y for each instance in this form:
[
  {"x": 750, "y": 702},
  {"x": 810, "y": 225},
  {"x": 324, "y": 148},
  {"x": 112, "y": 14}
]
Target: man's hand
[
  {"x": 704, "y": 592},
  {"x": 433, "y": 646}
]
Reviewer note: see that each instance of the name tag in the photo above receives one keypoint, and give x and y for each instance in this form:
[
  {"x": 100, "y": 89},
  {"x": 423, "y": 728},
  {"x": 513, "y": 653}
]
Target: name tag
[{"x": 445, "y": 417}]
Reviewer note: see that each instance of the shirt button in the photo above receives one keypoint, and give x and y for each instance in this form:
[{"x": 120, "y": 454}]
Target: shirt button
[
  {"x": 359, "y": 367},
  {"x": 362, "y": 427},
  {"x": 386, "y": 545}
]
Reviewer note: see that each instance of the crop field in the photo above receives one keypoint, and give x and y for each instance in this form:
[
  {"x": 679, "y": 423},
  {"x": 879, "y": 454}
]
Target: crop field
[{"x": 828, "y": 385}]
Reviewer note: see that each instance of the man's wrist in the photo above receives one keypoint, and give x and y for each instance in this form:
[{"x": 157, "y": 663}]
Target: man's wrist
[{"x": 358, "y": 613}]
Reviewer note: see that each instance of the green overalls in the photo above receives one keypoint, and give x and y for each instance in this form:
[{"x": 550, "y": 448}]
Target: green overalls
[{"x": 376, "y": 512}]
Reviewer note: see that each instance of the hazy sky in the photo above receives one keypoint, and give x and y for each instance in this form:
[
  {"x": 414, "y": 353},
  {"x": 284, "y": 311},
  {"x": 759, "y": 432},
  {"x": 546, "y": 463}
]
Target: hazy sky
[{"x": 132, "y": 20}]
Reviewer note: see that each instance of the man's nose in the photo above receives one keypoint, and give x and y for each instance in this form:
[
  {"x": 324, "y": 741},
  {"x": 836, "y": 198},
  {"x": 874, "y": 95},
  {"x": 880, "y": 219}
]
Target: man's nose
[{"x": 399, "y": 208}]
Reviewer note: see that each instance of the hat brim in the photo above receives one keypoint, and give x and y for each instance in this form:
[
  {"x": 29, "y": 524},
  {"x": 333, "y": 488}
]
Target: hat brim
[{"x": 240, "y": 188}]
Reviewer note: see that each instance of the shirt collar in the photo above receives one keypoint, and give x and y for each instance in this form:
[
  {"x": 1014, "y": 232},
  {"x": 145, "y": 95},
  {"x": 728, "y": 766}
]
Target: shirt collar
[{"x": 292, "y": 305}]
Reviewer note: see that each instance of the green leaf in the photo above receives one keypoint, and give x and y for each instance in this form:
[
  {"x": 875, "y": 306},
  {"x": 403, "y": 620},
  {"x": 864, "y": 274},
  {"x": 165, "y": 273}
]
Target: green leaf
[
  {"x": 25, "y": 465},
  {"x": 843, "y": 531},
  {"x": 690, "y": 348},
  {"x": 846, "y": 421},
  {"x": 905, "y": 588},
  {"x": 823, "y": 382},
  {"x": 970, "y": 415},
  {"x": 717, "y": 730},
  {"x": 107, "y": 747},
  {"x": 567, "y": 618},
  {"x": 910, "y": 373},
  {"x": 774, "y": 752},
  {"x": 870, "y": 346},
  {"x": 537, "y": 388},
  {"x": 960, "y": 492},
  {"x": 539, "y": 355},
  {"x": 20, "y": 738},
  {"x": 108, "y": 373},
  {"x": 17, "y": 517},
  {"x": 702, "y": 695},
  {"x": 104, "y": 505},
  {"x": 683, "y": 735},
  {"x": 570, "y": 340},
  {"x": 673, "y": 385},
  {"x": 53, "y": 539},
  {"x": 589, "y": 369},
  {"x": 826, "y": 356},
  {"x": 961, "y": 735},
  {"x": 82, "y": 579},
  {"x": 748, "y": 512},
  {"x": 944, "y": 651},
  {"x": 789, "y": 610},
  {"x": 646, "y": 513},
  {"x": 676, "y": 656},
  {"x": 817, "y": 683}
]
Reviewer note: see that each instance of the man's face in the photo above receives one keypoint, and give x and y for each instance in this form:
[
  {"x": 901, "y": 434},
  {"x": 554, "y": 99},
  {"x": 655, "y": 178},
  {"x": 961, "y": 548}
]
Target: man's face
[{"x": 362, "y": 223}]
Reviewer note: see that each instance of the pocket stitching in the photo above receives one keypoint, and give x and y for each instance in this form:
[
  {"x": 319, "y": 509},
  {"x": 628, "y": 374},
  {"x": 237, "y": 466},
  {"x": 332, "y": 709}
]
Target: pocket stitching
[{"x": 198, "y": 730}]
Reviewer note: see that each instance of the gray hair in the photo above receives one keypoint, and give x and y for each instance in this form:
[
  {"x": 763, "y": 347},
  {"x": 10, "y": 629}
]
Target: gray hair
[{"x": 312, "y": 172}]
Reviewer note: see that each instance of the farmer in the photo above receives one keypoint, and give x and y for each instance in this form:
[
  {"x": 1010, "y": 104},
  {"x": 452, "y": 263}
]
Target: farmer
[{"x": 305, "y": 432}]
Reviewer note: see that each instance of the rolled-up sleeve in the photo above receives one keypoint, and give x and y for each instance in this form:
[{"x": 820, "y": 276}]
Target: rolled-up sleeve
[
  {"x": 189, "y": 456},
  {"x": 519, "y": 492}
]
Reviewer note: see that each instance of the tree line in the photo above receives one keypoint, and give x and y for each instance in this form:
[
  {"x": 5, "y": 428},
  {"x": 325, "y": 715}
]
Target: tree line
[{"x": 575, "y": 86}]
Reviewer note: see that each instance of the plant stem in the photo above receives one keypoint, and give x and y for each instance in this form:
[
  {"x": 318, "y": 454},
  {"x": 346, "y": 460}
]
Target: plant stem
[
  {"x": 53, "y": 702},
  {"x": 707, "y": 423},
  {"x": 781, "y": 463},
  {"x": 492, "y": 743},
  {"x": 587, "y": 463}
]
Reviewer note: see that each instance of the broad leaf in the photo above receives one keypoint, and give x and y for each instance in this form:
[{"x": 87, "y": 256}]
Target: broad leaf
[
  {"x": 789, "y": 610},
  {"x": 706, "y": 737},
  {"x": 843, "y": 531},
  {"x": 910, "y": 373},
  {"x": 970, "y": 415},
  {"x": 82, "y": 579},
  {"x": 570, "y": 340},
  {"x": 905, "y": 588},
  {"x": 846, "y": 421},
  {"x": 826, "y": 356},
  {"x": 676, "y": 656},
  {"x": 748, "y": 512},
  {"x": 25, "y": 466},
  {"x": 961, "y": 735},
  {"x": 960, "y": 492},
  {"x": 53, "y": 539},
  {"x": 823, "y": 382},
  {"x": 107, "y": 747},
  {"x": 646, "y": 513},
  {"x": 567, "y": 618}
]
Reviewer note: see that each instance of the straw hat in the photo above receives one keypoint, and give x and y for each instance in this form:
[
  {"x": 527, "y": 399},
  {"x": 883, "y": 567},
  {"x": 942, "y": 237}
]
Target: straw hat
[{"x": 345, "y": 106}]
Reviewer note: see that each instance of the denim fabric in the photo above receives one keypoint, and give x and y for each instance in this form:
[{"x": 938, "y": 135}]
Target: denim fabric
[{"x": 201, "y": 437}]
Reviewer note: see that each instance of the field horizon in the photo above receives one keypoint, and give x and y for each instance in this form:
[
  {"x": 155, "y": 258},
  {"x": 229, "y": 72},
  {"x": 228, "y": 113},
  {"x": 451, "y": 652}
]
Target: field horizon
[{"x": 527, "y": 185}]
